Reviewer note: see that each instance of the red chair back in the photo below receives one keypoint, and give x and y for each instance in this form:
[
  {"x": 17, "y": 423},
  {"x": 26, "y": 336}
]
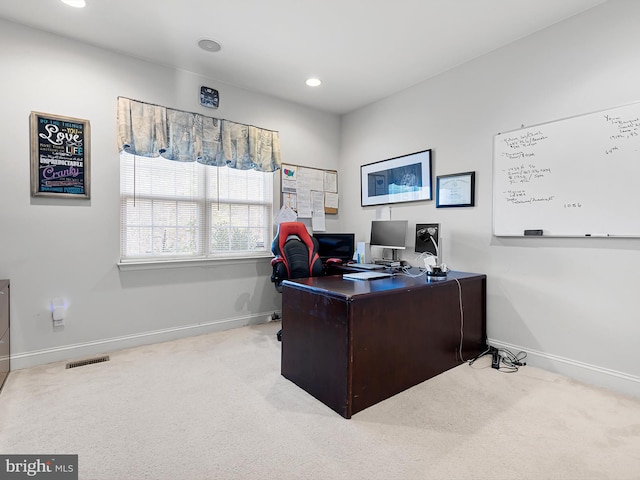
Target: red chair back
[{"x": 296, "y": 253}]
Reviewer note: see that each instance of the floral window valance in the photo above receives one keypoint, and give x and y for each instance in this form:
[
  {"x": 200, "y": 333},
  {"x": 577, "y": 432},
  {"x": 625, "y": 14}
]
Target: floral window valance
[{"x": 152, "y": 130}]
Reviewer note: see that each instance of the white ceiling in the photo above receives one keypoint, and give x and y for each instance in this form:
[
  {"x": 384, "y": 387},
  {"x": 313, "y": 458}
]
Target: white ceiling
[{"x": 363, "y": 50}]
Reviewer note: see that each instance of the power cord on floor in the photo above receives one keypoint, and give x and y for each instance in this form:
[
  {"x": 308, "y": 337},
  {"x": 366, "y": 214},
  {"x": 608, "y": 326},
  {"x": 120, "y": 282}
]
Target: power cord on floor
[
  {"x": 510, "y": 362},
  {"x": 503, "y": 360}
]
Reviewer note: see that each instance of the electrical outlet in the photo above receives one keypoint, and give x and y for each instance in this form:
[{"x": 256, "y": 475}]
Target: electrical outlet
[{"x": 58, "y": 311}]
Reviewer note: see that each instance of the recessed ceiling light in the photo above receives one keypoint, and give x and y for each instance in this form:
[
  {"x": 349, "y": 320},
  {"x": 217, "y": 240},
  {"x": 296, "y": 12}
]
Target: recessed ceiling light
[
  {"x": 75, "y": 3},
  {"x": 209, "y": 45},
  {"x": 313, "y": 82}
]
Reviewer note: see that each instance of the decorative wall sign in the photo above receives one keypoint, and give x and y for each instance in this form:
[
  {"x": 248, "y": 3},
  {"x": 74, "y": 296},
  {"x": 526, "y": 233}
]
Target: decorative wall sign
[{"x": 60, "y": 156}]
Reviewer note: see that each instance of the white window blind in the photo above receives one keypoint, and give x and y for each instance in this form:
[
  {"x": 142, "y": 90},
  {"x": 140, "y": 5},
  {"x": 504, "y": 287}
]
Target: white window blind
[{"x": 186, "y": 210}]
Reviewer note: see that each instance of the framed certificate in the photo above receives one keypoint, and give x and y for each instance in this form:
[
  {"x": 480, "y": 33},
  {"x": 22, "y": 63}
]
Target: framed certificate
[{"x": 455, "y": 190}]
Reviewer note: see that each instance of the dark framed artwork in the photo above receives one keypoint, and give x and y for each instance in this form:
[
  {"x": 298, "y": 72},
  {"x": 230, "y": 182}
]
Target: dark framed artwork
[
  {"x": 209, "y": 97},
  {"x": 400, "y": 179},
  {"x": 456, "y": 190},
  {"x": 60, "y": 156}
]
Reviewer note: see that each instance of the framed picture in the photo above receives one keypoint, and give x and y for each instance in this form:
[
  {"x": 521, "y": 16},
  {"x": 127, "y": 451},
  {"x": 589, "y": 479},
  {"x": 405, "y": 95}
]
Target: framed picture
[
  {"x": 456, "y": 190},
  {"x": 60, "y": 156},
  {"x": 400, "y": 179},
  {"x": 209, "y": 97}
]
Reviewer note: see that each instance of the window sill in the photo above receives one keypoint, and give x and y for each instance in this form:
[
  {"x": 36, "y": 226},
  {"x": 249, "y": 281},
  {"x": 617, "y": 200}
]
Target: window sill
[{"x": 182, "y": 263}]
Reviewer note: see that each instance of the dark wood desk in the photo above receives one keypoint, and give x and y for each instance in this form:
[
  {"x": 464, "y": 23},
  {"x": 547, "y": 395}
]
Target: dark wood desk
[{"x": 354, "y": 343}]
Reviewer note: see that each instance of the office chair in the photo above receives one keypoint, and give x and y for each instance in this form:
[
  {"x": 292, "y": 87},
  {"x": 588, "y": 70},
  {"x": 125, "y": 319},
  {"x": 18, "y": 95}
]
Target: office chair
[{"x": 296, "y": 255}]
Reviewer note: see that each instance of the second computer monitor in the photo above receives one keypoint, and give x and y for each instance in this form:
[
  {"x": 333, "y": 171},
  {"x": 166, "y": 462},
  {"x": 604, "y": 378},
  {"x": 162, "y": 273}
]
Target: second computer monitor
[
  {"x": 391, "y": 234},
  {"x": 336, "y": 245}
]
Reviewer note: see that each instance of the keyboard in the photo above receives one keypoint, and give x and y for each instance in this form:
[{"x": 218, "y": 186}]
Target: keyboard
[
  {"x": 366, "y": 275},
  {"x": 366, "y": 266}
]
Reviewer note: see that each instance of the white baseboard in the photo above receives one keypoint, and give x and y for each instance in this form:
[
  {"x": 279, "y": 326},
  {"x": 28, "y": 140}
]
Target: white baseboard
[
  {"x": 100, "y": 347},
  {"x": 584, "y": 372}
]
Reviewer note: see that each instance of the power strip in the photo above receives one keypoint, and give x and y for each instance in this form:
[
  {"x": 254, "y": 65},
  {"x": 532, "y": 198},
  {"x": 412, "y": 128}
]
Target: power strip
[{"x": 495, "y": 359}]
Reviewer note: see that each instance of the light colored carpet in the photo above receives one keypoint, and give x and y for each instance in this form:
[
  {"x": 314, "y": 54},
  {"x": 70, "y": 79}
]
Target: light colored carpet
[{"x": 216, "y": 407}]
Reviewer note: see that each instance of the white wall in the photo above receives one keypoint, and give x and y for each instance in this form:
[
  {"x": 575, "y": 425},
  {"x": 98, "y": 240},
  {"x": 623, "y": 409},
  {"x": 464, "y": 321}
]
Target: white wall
[
  {"x": 69, "y": 248},
  {"x": 571, "y": 303}
]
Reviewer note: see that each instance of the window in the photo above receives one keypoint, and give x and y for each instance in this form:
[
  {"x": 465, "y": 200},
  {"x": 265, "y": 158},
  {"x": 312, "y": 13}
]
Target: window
[{"x": 173, "y": 210}]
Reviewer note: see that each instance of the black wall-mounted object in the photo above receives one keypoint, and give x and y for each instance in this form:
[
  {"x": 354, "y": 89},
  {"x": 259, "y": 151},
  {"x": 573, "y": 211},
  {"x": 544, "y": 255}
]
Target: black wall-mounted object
[
  {"x": 209, "y": 97},
  {"x": 424, "y": 232}
]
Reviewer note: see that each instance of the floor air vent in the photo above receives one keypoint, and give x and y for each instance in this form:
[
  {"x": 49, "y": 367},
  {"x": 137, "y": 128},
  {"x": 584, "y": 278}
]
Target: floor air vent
[{"x": 89, "y": 361}]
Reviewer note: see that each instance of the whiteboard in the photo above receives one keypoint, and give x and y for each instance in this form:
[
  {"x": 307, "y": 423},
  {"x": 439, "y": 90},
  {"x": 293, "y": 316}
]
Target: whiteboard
[{"x": 578, "y": 176}]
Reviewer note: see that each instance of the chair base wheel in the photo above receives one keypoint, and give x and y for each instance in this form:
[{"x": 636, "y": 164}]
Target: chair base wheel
[{"x": 279, "y": 335}]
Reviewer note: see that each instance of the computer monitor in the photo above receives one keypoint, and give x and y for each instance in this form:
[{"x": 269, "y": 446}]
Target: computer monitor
[
  {"x": 336, "y": 245},
  {"x": 391, "y": 234}
]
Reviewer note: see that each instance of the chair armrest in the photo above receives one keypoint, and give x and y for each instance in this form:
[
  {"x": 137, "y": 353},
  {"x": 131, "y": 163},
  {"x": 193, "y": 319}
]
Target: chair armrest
[{"x": 279, "y": 272}]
